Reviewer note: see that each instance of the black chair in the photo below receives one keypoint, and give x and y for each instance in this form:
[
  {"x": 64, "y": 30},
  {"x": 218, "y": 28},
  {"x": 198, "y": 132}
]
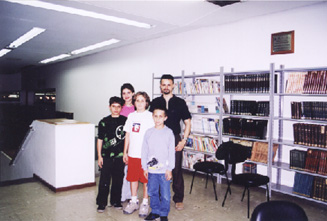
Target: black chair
[
  {"x": 209, "y": 168},
  {"x": 235, "y": 153},
  {"x": 278, "y": 210}
]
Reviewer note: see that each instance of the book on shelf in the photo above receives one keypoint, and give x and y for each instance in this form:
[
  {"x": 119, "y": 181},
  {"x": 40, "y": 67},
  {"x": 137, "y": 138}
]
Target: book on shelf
[
  {"x": 309, "y": 110},
  {"x": 247, "y": 143},
  {"x": 294, "y": 83},
  {"x": 202, "y": 143},
  {"x": 246, "y": 107},
  {"x": 208, "y": 125},
  {"x": 310, "y": 134},
  {"x": 212, "y": 107},
  {"x": 312, "y": 160},
  {"x": 260, "y": 152},
  {"x": 312, "y": 82},
  {"x": 303, "y": 184},
  {"x": 252, "y": 83},
  {"x": 245, "y": 127},
  {"x": 249, "y": 167},
  {"x": 202, "y": 86},
  {"x": 191, "y": 158},
  {"x": 297, "y": 159},
  {"x": 320, "y": 189}
]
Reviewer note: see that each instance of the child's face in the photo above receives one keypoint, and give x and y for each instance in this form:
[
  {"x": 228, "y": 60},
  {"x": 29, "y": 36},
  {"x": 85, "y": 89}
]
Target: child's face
[
  {"x": 115, "y": 109},
  {"x": 140, "y": 103},
  {"x": 127, "y": 95},
  {"x": 159, "y": 117}
]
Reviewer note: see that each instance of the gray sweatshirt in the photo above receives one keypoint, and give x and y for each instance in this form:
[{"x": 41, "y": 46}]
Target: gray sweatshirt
[{"x": 158, "y": 150}]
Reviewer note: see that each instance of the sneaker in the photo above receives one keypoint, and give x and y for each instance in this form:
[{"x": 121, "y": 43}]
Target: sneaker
[
  {"x": 179, "y": 206},
  {"x": 163, "y": 218},
  {"x": 144, "y": 210},
  {"x": 101, "y": 208},
  {"x": 117, "y": 206},
  {"x": 131, "y": 207},
  {"x": 152, "y": 216}
]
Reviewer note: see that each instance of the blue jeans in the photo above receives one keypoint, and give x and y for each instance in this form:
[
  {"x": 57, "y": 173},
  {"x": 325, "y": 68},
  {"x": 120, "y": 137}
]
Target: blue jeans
[{"x": 159, "y": 204}]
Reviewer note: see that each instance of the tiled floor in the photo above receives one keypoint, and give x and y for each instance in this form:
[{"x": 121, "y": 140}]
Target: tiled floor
[{"x": 33, "y": 201}]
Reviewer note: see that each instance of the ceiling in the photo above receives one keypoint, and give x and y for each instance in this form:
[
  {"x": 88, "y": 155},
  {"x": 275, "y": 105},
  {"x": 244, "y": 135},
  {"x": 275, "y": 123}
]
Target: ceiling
[{"x": 66, "y": 32}]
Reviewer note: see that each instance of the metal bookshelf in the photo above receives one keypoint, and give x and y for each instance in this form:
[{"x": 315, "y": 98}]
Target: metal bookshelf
[
  {"x": 277, "y": 120},
  {"x": 282, "y": 120}
]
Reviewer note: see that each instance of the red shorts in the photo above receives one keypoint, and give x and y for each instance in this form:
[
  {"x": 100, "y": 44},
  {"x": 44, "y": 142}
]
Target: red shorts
[{"x": 135, "y": 171}]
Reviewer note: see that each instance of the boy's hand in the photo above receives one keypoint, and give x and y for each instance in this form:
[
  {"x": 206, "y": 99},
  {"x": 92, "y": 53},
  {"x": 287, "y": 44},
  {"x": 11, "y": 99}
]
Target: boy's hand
[
  {"x": 146, "y": 173},
  {"x": 168, "y": 175},
  {"x": 125, "y": 158},
  {"x": 100, "y": 161}
]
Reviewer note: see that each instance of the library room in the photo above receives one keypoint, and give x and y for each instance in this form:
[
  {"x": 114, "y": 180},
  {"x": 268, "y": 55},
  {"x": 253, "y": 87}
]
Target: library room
[{"x": 235, "y": 90}]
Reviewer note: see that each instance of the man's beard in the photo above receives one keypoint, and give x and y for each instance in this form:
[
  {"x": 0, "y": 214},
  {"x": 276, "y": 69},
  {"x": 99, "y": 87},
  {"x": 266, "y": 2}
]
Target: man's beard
[{"x": 165, "y": 91}]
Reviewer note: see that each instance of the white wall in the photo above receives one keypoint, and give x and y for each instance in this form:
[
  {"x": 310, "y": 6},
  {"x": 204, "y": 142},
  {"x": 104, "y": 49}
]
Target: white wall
[{"x": 84, "y": 85}]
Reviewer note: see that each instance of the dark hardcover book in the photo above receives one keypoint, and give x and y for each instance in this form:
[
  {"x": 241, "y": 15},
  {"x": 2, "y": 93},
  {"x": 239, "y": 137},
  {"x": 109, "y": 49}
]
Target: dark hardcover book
[
  {"x": 297, "y": 159},
  {"x": 322, "y": 169},
  {"x": 303, "y": 184}
]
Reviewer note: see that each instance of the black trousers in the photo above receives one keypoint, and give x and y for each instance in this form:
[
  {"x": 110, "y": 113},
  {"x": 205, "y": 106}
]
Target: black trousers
[
  {"x": 112, "y": 169},
  {"x": 178, "y": 180}
]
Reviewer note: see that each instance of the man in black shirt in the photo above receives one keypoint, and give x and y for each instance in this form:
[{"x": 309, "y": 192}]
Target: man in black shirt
[{"x": 177, "y": 111}]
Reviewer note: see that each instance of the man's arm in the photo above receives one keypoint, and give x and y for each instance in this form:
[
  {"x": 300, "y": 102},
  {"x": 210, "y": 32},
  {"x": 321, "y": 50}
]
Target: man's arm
[{"x": 187, "y": 132}]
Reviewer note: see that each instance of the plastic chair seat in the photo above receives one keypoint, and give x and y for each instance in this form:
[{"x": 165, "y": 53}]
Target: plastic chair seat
[
  {"x": 278, "y": 210},
  {"x": 250, "y": 180},
  {"x": 209, "y": 167}
]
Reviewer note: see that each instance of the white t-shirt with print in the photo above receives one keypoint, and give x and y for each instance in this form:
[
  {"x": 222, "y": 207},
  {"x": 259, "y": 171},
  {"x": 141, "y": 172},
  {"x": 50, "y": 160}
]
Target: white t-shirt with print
[{"x": 136, "y": 125}]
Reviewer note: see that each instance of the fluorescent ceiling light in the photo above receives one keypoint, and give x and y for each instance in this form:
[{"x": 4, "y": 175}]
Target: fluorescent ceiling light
[
  {"x": 4, "y": 51},
  {"x": 59, "y": 57},
  {"x": 74, "y": 11},
  {"x": 95, "y": 46},
  {"x": 82, "y": 50},
  {"x": 26, "y": 37}
]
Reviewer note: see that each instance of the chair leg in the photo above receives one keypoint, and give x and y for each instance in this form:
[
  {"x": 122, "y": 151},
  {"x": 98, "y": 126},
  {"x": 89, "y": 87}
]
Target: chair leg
[
  {"x": 192, "y": 181},
  {"x": 228, "y": 190},
  {"x": 243, "y": 193},
  {"x": 214, "y": 186},
  {"x": 207, "y": 180},
  {"x": 267, "y": 192},
  {"x": 248, "y": 202},
  {"x": 228, "y": 183}
]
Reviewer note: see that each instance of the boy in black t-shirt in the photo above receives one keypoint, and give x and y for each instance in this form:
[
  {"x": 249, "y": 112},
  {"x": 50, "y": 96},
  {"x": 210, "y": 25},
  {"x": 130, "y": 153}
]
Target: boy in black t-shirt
[{"x": 110, "y": 147}]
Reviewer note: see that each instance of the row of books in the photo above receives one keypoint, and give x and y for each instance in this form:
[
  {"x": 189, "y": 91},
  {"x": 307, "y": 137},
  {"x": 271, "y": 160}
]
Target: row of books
[
  {"x": 199, "y": 86},
  {"x": 309, "y": 110},
  {"x": 207, "y": 107},
  {"x": 245, "y": 127},
  {"x": 201, "y": 143},
  {"x": 191, "y": 158},
  {"x": 313, "y": 161},
  {"x": 242, "y": 107},
  {"x": 203, "y": 86},
  {"x": 202, "y": 124},
  {"x": 312, "y": 82},
  {"x": 310, "y": 134},
  {"x": 310, "y": 186},
  {"x": 255, "y": 83},
  {"x": 260, "y": 152}
]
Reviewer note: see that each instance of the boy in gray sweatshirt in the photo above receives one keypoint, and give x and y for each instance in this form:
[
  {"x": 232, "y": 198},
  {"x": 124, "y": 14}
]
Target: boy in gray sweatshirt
[{"x": 158, "y": 161}]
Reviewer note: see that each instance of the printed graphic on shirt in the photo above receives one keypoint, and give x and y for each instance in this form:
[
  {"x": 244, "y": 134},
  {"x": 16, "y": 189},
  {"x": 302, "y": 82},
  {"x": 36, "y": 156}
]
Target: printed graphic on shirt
[
  {"x": 153, "y": 164},
  {"x": 136, "y": 127},
  {"x": 120, "y": 134}
]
